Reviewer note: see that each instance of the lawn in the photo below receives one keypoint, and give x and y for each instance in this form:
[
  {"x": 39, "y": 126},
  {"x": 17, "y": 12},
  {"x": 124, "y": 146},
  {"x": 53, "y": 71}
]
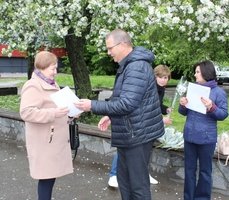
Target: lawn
[{"x": 11, "y": 102}]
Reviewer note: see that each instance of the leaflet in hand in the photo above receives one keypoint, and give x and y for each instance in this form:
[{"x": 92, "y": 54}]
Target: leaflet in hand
[
  {"x": 66, "y": 98},
  {"x": 194, "y": 94}
]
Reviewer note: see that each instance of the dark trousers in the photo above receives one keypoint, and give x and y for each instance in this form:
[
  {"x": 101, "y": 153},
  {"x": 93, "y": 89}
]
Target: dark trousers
[
  {"x": 45, "y": 187},
  {"x": 132, "y": 172},
  {"x": 198, "y": 187}
]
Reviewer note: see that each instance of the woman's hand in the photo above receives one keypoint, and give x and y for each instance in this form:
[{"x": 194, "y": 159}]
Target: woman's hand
[
  {"x": 77, "y": 116},
  {"x": 207, "y": 103},
  {"x": 60, "y": 112}
]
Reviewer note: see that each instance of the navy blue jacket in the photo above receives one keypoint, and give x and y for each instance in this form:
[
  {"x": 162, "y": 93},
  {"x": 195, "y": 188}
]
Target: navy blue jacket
[
  {"x": 134, "y": 108},
  {"x": 161, "y": 93},
  {"x": 202, "y": 128}
]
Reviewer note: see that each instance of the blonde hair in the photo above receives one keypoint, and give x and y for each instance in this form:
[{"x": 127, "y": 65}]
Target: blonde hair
[
  {"x": 44, "y": 59},
  {"x": 162, "y": 70}
]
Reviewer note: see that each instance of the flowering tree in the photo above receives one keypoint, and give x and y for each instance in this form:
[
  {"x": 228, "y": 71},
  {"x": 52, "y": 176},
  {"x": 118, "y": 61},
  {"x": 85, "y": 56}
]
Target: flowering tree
[
  {"x": 186, "y": 33},
  {"x": 29, "y": 25}
]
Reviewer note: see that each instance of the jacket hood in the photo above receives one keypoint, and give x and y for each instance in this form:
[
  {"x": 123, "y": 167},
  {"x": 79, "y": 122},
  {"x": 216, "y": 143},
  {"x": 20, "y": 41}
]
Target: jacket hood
[{"x": 138, "y": 53}]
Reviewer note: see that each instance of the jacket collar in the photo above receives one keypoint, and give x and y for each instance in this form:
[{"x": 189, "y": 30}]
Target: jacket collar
[
  {"x": 44, "y": 84},
  {"x": 210, "y": 84}
]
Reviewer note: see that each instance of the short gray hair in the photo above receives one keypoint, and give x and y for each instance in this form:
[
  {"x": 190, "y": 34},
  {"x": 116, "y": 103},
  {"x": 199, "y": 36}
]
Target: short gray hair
[{"x": 119, "y": 35}]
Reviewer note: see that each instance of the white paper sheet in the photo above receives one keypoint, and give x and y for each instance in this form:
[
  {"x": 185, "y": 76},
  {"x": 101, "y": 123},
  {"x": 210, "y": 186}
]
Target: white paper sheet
[
  {"x": 66, "y": 98},
  {"x": 194, "y": 94}
]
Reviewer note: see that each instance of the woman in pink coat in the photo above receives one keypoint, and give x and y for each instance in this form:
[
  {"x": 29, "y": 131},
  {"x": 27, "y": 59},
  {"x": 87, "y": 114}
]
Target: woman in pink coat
[{"x": 46, "y": 126}]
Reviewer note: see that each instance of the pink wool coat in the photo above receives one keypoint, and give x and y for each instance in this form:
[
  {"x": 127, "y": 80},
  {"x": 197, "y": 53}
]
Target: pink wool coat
[{"x": 46, "y": 159}]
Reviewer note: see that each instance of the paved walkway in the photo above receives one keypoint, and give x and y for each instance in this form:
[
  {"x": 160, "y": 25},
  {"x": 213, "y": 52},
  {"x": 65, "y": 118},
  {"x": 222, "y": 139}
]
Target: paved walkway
[{"x": 89, "y": 181}]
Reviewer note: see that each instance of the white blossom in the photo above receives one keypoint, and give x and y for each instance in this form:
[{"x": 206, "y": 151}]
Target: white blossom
[
  {"x": 175, "y": 20},
  {"x": 189, "y": 22},
  {"x": 182, "y": 28},
  {"x": 221, "y": 38},
  {"x": 31, "y": 21},
  {"x": 197, "y": 38}
]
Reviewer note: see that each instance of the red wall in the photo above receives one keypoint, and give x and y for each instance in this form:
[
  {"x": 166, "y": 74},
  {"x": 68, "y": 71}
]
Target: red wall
[{"x": 59, "y": 52}]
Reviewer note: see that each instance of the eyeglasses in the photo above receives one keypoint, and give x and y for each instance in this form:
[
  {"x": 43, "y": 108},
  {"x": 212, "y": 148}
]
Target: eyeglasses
[{"x": 110, "y": 48}]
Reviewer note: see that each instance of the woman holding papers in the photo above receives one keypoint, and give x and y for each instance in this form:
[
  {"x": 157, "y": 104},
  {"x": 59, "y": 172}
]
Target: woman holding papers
[
  {"x": 46, "y": 126},
  {"x": 200, "y": 133}
]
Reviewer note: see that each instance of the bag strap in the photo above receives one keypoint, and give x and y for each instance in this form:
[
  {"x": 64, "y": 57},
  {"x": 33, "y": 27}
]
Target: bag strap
[
  {"x": 227, "y": 159},
  {"x": 226, "y": 162},
  {"x": 75, "y": 153},
  {"x": 76, "y": 134}
]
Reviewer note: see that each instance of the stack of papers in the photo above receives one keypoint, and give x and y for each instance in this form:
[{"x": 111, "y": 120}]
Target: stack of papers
[
  {"x": 194, "y": 94},
  {"x": 66, "y": 98}
]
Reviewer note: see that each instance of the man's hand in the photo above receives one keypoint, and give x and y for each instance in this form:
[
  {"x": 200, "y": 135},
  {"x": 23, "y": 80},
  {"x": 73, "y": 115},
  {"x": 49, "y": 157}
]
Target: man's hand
[
  {"x": 84, "y": 104},
  {"x": 104, "y": 123}
]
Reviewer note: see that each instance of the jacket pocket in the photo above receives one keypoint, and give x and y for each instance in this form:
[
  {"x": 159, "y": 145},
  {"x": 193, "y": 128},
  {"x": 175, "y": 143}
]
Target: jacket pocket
[{"x": 129, "y": 127}]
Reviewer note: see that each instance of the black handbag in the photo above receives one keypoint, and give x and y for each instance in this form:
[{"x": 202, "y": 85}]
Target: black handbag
[{"x": 74, "y": 136}]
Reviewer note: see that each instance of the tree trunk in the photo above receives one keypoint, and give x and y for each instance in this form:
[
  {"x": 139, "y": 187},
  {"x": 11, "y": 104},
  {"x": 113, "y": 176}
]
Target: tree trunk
[
  {"x": 75, "y": 49},
  {"x": 30, "y": 66},
  {"x": 30, "y": 58}
]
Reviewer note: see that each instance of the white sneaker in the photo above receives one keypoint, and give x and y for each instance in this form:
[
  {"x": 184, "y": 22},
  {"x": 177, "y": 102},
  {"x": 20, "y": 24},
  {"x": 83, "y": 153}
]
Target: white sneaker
[
  {"x": 152, "y": 180},
  {"x": 113, "y": 182}
]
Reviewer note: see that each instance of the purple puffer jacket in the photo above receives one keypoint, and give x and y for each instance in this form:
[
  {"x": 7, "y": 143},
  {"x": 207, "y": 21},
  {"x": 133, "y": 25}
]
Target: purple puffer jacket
[{"x": 202, "y": 128}]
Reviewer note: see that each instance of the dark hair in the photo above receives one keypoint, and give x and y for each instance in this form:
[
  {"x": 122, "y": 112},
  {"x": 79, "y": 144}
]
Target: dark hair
[{"x": 207, "y": 70}]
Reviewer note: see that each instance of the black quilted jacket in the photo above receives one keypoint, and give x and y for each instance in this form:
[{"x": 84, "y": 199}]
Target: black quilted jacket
[{"x": 134, "y": 108}]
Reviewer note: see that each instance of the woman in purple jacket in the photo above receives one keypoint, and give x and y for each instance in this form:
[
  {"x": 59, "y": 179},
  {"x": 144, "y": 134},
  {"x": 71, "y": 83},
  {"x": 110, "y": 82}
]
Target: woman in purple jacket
[{"x": 200, "y": 134}]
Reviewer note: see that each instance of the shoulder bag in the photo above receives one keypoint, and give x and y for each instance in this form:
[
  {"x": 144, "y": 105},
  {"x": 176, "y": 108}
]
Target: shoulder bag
[
  {"x": 223, "y": 146},
  {"x": 74, "y": 136}
]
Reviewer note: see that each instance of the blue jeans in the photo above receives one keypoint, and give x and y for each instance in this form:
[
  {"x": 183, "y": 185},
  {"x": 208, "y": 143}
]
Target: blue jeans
[
  {"x": 113, "y": 171},
  {"x": 198, "y": 187}
]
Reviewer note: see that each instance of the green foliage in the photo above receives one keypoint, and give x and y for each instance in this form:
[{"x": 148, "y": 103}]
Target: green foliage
[
  {"x": 174, "y": 49},
  {"x": 66, "y": 69},
  {"x": 99, "y": 64}
]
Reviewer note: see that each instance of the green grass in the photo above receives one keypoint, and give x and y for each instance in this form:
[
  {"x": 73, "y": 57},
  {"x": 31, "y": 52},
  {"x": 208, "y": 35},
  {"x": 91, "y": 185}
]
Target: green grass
[
  {"x": 9, "y": 79},
  {"x": 96, "y": 81},
  {"x": 11, "y": 102},
  {"x": 179, "y": 120}
]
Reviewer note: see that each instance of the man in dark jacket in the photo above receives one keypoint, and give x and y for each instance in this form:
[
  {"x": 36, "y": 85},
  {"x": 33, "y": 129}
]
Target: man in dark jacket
[{"x": 133, "y": 112}]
